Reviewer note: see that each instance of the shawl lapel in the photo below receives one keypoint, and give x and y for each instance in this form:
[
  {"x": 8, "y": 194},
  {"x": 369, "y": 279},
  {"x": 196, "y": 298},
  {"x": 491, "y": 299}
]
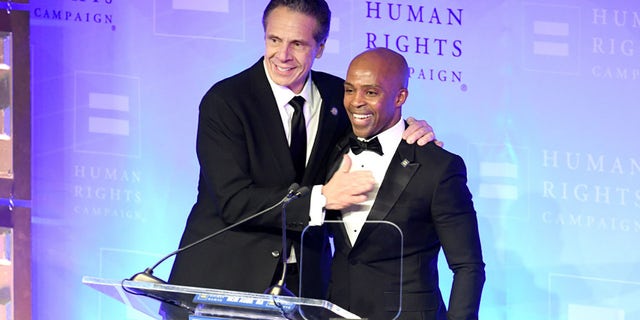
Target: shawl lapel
[
  {"x": 401, "y": 169},
  {"x": 340, "y": 149}
]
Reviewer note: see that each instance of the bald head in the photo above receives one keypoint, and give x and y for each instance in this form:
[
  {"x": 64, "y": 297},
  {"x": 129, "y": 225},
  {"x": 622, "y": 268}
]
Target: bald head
[
  {"x": 375, "y": 90},
  {"x": 388, "y": 61}
]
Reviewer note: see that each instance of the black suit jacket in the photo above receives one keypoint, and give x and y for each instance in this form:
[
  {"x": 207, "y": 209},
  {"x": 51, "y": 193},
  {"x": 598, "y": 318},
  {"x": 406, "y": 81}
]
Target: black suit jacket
[
  {"x": 245, "y": 166},
  {"x": 424, "y": 193}
]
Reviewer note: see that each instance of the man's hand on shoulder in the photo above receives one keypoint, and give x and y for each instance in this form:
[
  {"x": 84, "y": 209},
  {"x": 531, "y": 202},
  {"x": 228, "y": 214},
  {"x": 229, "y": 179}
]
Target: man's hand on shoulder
[{"x": 419, "y": 131}]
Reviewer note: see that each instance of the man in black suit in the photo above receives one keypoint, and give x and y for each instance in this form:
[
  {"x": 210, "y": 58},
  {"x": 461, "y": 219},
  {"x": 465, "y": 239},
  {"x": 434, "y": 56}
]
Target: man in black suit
[
  {"x": 422, "y": 190},
  {"x": 245, "y": 160}
]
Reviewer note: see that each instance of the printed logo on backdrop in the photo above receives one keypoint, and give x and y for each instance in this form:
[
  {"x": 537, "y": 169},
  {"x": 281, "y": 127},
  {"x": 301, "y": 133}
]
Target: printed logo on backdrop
[
  {"x": 107, "y": 190},
  {"x": 503, "y": 181},
  {"x": 613, "y": 42},
  {"x": 594, "y": 191},
  {"x": 96, "y": 12},
  {"x": 107, "y": 114},
  {"x": 551, "y": 39},
  {"x": 600, "y": 303},
  {"x": 219, "y": 19},
  {"x": 582, "y": 40},
  {"x": 107, "y": 130},
  {"x": 429, "y": 36}
]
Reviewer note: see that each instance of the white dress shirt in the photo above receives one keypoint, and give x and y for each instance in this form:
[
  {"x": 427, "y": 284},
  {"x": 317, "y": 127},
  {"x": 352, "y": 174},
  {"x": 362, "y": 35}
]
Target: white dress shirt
[
  {"x": 355, "y": 216},
  {"x": 311, "y": 108}
]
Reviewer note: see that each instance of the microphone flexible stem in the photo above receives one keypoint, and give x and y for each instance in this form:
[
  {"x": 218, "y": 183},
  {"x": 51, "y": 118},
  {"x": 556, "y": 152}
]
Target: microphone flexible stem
[
  {"x": 297, "y": 194},
  {"x": 280, "y": 288},
  {"x": 284, "y": 244},
  {"x": 287, "y": 197},
  {"x": 284, "y": 232}
]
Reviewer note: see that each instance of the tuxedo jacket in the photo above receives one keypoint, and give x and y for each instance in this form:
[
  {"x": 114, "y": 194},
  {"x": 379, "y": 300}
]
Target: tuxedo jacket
[
  {"x": 245, "y": 167},
  {"x": 424, "y": 193}
]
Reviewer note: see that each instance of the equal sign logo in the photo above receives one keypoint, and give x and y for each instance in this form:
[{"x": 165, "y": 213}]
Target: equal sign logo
[
  {"x": 201, "y": 5},
  {"x": 557, "y": 44},
  {"x": 112, "y": 124},
  {"x": 201, "y": 19},
  {"x": 107, "y": 114},
  {"x": 551, "y": 39},
  {"x": 333, "y": 44},
  {"x": 578, "y": 297},
  {"x": 499, "y": 181},
  {"x": 587, "y": 312},
  {"x": 501, "y": 185}
]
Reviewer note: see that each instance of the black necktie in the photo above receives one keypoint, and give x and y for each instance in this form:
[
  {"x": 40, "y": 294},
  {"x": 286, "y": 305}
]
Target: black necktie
[
  {"x": 357, "y": 145},
  {"x": 298, "y": 145}
]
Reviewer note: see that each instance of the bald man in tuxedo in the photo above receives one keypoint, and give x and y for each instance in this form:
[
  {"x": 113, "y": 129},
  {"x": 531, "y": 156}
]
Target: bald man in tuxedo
[{"x": 421, "y": 189}]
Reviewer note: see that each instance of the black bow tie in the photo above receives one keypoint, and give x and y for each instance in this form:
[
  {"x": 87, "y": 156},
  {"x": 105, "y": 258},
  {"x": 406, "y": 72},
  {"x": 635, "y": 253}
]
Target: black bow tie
[{"x": 357, "y": 146}]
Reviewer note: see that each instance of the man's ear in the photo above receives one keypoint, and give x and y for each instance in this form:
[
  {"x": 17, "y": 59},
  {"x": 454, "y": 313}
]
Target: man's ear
[
  {"x": 320, "y": 50},
  {"x": 401, "y": 97}
]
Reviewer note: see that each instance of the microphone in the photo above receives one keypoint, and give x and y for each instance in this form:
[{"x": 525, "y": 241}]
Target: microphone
[
  {"x": 301, "y": 192},
  {"x": 280, "y": 287},
  {"x": 294, "y": 192}
]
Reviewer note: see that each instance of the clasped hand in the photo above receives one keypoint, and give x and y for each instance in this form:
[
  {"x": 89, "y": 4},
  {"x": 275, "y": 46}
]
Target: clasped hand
[{"x": 346, "y": 188}]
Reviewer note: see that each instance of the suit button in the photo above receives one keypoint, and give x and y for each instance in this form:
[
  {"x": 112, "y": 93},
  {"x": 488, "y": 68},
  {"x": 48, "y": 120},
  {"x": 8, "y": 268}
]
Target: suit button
[{"x": 275, "y": 253}]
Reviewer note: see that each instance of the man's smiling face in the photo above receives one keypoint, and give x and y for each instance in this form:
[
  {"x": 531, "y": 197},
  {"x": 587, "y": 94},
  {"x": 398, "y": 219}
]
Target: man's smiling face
[{"x": 290, "y": 48}]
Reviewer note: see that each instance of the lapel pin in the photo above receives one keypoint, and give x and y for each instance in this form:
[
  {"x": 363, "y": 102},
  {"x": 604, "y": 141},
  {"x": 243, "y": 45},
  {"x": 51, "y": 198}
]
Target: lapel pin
[
  {"x": 334, "y": 111},
  {"x": 404, "y": 163}
]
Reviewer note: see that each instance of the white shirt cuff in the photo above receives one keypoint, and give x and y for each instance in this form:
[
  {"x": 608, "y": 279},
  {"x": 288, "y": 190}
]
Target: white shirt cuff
[{"x": 316, "y": 207}]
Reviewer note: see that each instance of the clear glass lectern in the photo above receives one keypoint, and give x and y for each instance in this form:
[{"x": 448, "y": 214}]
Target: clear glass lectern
[
  {"x": 366, "y": 267},
  {"x": 194, "y": 303}
]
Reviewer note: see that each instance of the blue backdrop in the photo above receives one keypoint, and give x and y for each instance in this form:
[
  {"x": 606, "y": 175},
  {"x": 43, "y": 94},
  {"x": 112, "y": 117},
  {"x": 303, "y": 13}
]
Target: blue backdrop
[{"x": 539, "y": 97}]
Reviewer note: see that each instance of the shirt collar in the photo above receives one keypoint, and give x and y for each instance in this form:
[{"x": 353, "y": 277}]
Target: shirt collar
[{"x": 390, "y": 138}]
